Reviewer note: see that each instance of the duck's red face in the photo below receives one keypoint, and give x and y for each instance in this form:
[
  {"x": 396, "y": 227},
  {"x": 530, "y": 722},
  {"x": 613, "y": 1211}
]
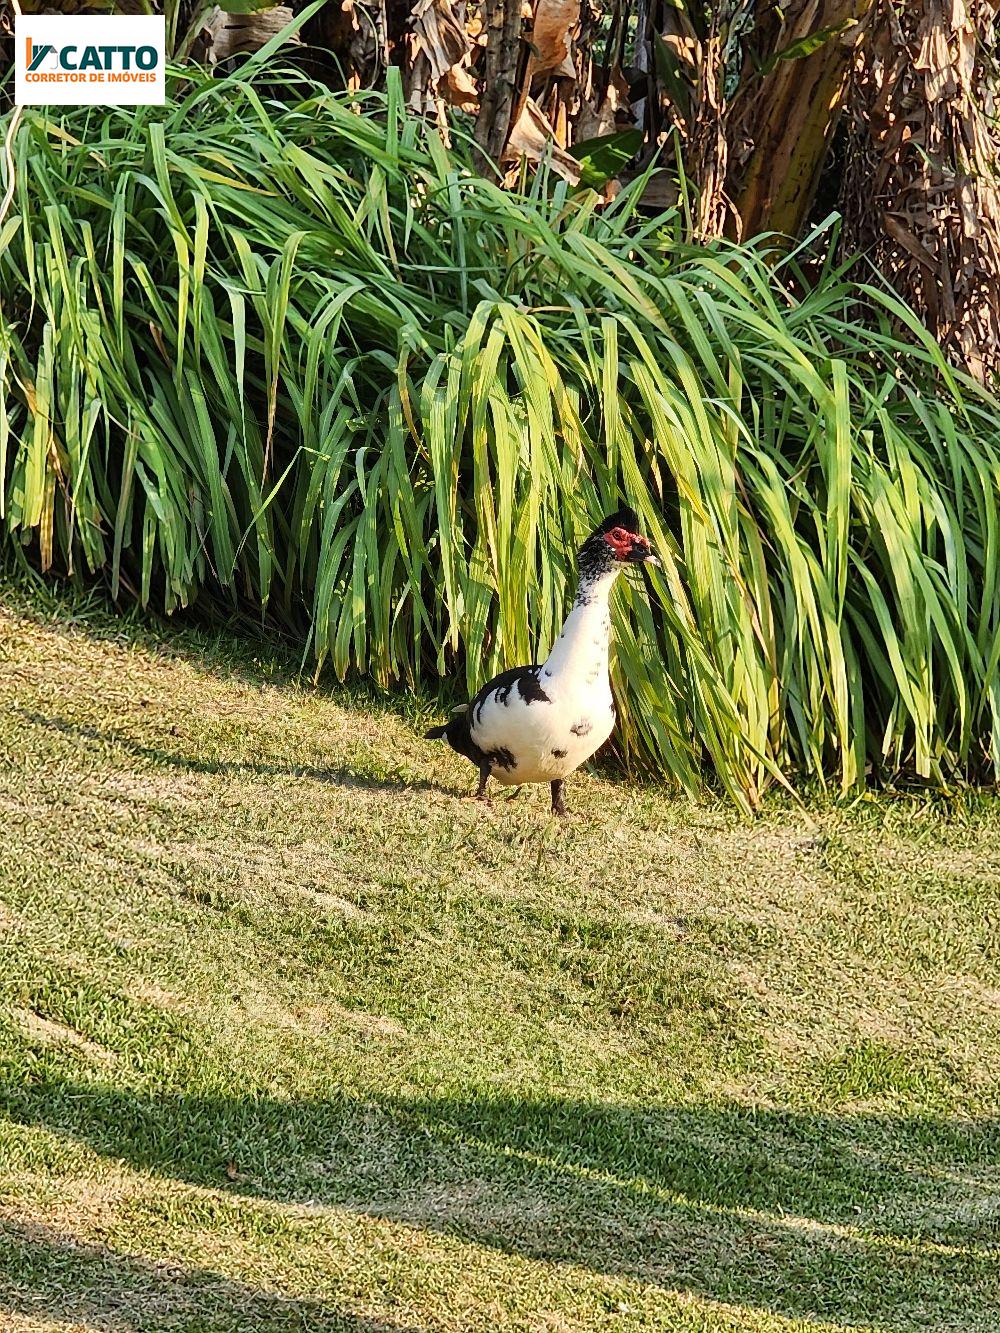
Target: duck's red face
[{"x": 630, "y": 547}]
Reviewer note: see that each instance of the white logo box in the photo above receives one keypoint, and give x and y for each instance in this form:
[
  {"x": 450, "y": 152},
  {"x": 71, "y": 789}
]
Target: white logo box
[{"x": 110, "y": 60}]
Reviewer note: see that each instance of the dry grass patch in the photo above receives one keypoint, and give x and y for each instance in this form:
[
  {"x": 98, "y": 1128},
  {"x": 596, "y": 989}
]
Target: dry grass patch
[{"x": 47, "y": 1032}]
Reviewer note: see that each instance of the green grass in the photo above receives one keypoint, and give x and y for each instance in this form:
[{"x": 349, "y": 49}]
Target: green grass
[
  {"x": 281, "y": 348},
  {"x": 293, "y": 1037}
]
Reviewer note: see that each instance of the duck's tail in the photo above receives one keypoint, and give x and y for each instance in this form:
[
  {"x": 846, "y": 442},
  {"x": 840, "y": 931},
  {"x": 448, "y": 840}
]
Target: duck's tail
[
  {"x": 446, "y": 732},
  {"x": 456, "y": 732}
]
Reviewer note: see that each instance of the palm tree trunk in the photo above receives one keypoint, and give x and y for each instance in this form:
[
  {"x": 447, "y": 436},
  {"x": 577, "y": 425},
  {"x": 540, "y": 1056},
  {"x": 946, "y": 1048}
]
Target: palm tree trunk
[
  {"x": 502, "y": 21},
  {"x": 920, "y": 192},
  {"x": 791, "y": 116}
]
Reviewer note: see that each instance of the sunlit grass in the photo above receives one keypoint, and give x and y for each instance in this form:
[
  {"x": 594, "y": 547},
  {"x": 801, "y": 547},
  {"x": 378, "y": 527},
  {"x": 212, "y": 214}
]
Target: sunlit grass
[{"x": 292, "y": 1037}]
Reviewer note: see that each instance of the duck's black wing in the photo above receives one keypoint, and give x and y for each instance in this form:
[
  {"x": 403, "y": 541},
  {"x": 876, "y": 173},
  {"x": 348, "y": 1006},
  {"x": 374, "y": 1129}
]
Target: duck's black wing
[
  {"x": 474, "y": 731},
  {"x": 525, "y": 680}
]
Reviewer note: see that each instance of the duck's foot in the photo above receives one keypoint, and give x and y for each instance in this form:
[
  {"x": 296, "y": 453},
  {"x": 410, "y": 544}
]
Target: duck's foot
[
  {"x": 480, "y": 793},
  {"x": 559, "y": 798}
]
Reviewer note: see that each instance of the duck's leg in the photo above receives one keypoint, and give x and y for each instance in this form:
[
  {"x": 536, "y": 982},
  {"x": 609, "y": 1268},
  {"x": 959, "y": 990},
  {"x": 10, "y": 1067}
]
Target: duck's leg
[
  {"x": 559, "y": 797},
  {"x": 484, "y": 777}
]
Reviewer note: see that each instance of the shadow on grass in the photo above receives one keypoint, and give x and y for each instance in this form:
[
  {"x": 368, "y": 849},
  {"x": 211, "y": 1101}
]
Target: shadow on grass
[
  {"x": 236, "y": 648},
  {"x": 342, "y": 776},
  {"x": 889, "y": 1222},
  {"x": 46, "y": 1274}
]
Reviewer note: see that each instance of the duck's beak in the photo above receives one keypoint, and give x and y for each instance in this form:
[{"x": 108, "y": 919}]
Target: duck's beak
[{"x": 641, "y": 553}]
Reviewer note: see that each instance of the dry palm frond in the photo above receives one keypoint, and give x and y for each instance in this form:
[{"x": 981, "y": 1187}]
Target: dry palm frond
[
  {"x": 438, "y": 58},
  {"x": 222, "y": 36}
]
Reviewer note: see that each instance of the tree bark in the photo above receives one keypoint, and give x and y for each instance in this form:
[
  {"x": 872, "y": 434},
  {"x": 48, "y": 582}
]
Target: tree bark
[
  {"x": 920, "y": 192},
  {"x": 502, "y": 20},
  {"x": 787, "y": 124}
]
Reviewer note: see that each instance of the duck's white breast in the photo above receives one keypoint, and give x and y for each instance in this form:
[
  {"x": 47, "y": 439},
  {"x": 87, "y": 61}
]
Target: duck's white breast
[{"x": 541, "y": 741}]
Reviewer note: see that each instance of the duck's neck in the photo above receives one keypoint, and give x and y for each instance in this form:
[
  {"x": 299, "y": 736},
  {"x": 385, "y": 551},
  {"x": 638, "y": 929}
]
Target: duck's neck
[{"x": 581, "y": 649}]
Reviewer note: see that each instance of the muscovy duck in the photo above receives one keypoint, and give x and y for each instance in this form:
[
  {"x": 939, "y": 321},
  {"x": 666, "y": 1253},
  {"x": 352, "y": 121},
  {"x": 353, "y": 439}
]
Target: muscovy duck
[{"x": 540, "y": 723}]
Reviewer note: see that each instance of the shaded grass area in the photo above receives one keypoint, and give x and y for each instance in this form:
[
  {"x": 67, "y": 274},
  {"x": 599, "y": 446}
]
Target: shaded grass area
[{"x": 293, "y": 1037}]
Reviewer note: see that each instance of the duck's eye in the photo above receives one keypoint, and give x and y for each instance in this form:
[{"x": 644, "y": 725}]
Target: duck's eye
[{"x": 619, "y": 534}]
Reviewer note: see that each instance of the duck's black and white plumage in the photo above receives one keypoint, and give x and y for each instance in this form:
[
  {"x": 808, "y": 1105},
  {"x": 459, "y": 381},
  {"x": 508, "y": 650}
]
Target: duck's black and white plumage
[{"x": 540, "y": 723}]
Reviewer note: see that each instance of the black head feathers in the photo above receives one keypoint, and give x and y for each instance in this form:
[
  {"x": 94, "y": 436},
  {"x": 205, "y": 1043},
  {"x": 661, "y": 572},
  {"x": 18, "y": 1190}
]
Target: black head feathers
[{"x": 624, "y": 518}]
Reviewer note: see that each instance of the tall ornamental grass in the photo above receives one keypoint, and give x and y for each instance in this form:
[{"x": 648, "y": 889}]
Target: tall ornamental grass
[{"x": 295, "y": 352}]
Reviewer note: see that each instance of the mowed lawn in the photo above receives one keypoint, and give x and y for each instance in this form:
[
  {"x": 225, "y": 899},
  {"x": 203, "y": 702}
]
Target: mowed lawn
[{"x": 294, "y": 1038}]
